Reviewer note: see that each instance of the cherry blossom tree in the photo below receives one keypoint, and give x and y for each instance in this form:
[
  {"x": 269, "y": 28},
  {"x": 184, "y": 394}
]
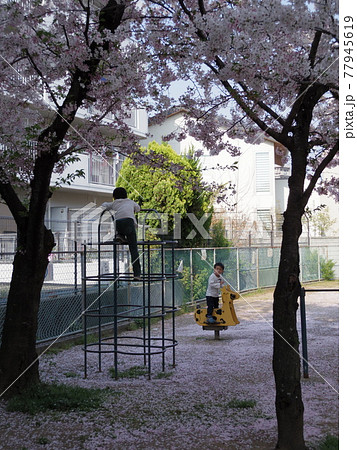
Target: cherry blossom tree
[
  {"x": 65, "y": 65},
  {"x": 271, "y": 67},
  {"x": 268, "y": 65}
]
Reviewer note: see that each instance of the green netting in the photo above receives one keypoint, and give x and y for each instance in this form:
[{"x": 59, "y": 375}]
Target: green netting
[
  {"x": 268, "y": 261},
  {"x": 229, "y": 257},
  {"x": 245, "y": 269},
  {"x": 248, "y": 269},
  {"x": 309, "y": 264}
]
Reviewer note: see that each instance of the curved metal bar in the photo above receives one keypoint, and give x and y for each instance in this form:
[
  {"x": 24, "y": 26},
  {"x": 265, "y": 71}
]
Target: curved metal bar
[
  {"x": 100, "y": 222},
  {"x": 145, "y": 310}
]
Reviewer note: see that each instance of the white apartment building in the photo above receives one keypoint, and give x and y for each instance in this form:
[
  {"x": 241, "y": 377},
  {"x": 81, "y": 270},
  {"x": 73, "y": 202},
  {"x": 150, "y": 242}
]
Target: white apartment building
[
  {"x": 256, "y": 180},
  {"x": 96, "y": 187},
  {"x": 98, "y": 183}
]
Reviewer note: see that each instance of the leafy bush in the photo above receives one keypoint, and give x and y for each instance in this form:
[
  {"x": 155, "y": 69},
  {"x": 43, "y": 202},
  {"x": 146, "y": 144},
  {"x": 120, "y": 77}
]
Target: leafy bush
[
  {"x": 327, "y": 272},
  {"x": 199, "y": 283},
  {"x": 218, "y": 235}
]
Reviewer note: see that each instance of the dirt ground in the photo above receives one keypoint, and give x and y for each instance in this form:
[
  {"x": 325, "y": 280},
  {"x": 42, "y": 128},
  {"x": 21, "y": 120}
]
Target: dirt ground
[{"x": 197, "y": 404}]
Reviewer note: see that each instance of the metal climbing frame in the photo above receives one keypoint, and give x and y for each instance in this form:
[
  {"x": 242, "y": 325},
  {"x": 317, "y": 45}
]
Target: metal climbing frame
[{"x": 107, "y": 302}]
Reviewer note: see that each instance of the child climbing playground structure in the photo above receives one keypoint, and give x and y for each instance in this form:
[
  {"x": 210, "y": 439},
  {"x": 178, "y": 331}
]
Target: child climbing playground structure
[{"x": 111, "y": 296}]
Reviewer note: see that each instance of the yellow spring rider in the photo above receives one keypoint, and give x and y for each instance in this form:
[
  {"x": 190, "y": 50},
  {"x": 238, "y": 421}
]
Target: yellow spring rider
[{"x": 225, "y": 316}]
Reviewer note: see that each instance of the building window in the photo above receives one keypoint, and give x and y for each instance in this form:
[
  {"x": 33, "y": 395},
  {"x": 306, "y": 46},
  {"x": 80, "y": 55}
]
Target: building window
[
  {"x": 262, "y": 176},
  {"x": 265, "y": 218},
  {"x": 131, "y": 119},
  {"x": 104, "y": 170}
]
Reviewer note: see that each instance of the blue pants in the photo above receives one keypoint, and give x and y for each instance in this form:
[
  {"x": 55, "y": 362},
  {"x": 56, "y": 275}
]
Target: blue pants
[
  {"x": 126, "y": 228},
  {"x": 212, "y": 302}
]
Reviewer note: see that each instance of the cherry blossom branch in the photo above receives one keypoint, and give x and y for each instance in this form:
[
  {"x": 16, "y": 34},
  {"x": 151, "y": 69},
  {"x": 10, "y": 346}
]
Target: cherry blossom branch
[
  {"x": 202, "y": 7},
  {"x": 263, "y": 106},
  {"x": 71, "y": 149},
  {"x": 66, "y": 36},
  {"x": 163, "y": 5},
  {"x": 314, "y": 48},
  {"x": 12, "y": 200},
  {"x": 86, "y": 29},
  {"x": 331, "y": 154},
  {"x": 253, "y": 116},
  {"x": 34, "y": 65}
]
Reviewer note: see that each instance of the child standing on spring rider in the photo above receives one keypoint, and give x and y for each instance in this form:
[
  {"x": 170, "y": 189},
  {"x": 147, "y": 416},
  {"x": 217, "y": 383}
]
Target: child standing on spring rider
[{"x": 215, "y": 282}]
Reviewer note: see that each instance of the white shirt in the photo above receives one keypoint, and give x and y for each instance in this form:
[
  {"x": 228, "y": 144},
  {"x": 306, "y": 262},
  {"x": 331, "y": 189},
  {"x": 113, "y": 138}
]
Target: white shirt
[
  {"x": 124, "y": 208},
  {"x": 214, "y": 285}
]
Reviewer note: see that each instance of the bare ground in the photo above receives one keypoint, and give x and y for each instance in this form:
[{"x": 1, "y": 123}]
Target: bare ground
[{"x": 196, "y": 404}]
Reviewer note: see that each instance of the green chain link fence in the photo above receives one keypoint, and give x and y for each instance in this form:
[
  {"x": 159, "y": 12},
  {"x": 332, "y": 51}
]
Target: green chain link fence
[{"x": 246, "y": 269}]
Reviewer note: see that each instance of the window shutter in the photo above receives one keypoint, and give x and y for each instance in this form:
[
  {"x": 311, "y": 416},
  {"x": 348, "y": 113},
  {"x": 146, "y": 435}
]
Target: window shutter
[{"x": 262, "y": 178}]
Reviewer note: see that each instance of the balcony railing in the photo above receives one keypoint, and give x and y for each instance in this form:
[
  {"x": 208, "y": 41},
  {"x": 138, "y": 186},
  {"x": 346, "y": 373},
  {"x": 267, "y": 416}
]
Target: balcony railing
[{"x": 282, "y": 172}]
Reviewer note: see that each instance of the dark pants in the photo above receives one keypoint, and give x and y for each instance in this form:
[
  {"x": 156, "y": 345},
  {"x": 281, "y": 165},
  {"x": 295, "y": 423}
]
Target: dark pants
[
  {"x": 212, "y": 302},
  {"x": 126, "y": 228}
]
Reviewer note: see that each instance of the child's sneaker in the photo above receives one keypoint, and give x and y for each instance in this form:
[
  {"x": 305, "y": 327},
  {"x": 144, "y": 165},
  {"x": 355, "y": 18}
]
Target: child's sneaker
[
  {"x": 210, "y": 319},
  {"x": 120, "y": 239}
]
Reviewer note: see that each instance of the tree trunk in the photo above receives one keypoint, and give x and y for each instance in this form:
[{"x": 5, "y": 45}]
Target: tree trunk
[
  {"x": 286, "y": 359},
  {"x": 18, "y": 357}
]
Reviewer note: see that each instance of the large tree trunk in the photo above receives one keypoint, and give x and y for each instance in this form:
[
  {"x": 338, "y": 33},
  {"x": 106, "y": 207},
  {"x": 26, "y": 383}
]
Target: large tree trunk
[
  {"x": 18, "y": 357},
  {"x": 286, "y": 359}
]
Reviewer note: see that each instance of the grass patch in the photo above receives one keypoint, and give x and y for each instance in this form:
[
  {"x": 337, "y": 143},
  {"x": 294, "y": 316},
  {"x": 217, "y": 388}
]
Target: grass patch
[
  {"x": 56, "y": 397},
  {"x": 61, "y": 346},
  {"x": 70, "y": 374},
  {"x": 241, "y": 404},
  {"x": 161, "y": 375},
  {"x": 54, "y": 350},
  {"x": 132, "y": 372},
  {"x": 329, "y": 443}
]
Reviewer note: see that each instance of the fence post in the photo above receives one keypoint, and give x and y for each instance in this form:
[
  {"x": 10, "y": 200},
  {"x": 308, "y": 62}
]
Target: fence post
[
  {"x": 75, "y": 267},
  {"x": 238, "y": 284},
  {"x": 84, "y": 303},
  {"x": 303, "y": 333},
  {"x": 191, "y": 275},
  {"x": 301, "y": 265},
  {"x": 257, "y": 265}
]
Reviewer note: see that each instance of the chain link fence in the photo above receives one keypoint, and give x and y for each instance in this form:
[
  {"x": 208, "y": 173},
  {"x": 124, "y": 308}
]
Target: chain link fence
[{"x": 60, "y": 310}]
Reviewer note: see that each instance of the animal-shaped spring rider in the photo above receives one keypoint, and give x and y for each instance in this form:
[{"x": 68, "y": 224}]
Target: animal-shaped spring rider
[{"x": 225, "y": 315}]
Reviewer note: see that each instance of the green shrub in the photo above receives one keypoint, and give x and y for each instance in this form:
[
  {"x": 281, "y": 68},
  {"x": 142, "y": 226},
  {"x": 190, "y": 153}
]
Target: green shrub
[
  {"x": 327, "y": 272},
  {"x": 218, "y": 235},
  {"x": 199, "y": 283}
]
